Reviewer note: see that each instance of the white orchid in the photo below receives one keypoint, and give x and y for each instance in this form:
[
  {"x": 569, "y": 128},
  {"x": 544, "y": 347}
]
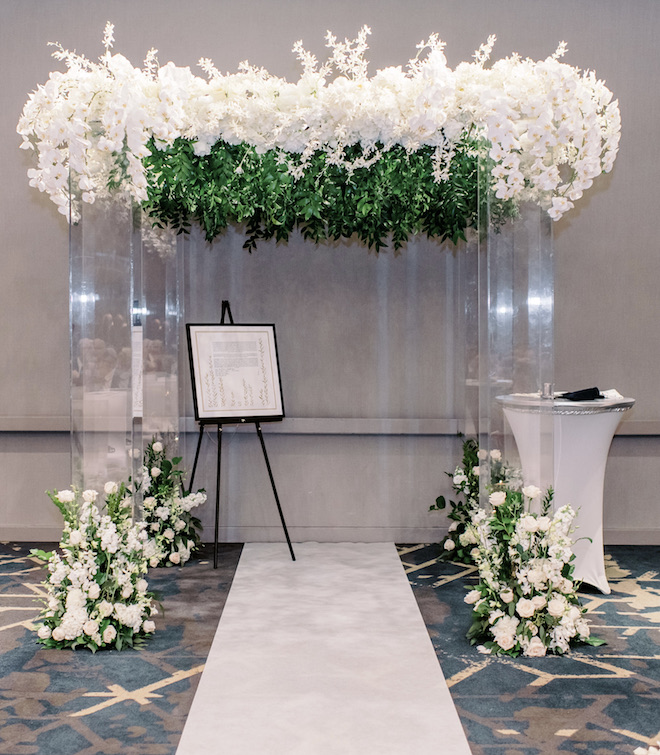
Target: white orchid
[{"x": 95, "y": 121}]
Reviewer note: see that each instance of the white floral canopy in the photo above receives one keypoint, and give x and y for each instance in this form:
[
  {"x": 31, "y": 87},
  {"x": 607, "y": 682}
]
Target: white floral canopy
[{"x": 278, "y": 154}]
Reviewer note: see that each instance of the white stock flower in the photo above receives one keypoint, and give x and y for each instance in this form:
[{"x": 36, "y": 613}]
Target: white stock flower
[
  {"x": 89, "y": 496},
  {"x": 66, "y": 496}
]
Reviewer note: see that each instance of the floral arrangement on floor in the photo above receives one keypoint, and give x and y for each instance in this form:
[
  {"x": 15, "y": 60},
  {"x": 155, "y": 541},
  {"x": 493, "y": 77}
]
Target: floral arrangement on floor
[
  {"x": 172, "y": 529},
  {"x": 526, "y": 600},
  {"x": 97, "y": 592},
  {"x": 465, "y": 481},
  {"x": 253, "y": 148}
]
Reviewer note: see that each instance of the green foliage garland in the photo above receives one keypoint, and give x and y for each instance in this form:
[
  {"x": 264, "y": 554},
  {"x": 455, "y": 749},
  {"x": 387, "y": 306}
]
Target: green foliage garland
[{"x": 395, "y": 197}]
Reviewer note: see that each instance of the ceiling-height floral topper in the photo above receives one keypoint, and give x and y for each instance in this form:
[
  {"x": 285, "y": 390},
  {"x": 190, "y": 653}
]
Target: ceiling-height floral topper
[{"x": 335, "y": 153}]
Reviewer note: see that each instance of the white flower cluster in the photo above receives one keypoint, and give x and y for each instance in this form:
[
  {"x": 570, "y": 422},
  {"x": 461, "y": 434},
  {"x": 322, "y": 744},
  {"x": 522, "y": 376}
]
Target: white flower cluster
[
  {"x": 525, "y": 602},
  {"x": 96, "y": 587},
  {"x": 552, "y": 128},
  {"x": 170, "y": 526}
]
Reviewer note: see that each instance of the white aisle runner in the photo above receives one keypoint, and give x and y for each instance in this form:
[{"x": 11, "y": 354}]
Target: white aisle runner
[{"x": 327, "y": 655}]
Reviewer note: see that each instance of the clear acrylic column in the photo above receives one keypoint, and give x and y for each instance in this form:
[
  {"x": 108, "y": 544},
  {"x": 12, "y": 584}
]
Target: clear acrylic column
[
  {"x": 124, "y": 310},
  {"x": 101, "y": 294},
  {"x": 516, "y": 345}
]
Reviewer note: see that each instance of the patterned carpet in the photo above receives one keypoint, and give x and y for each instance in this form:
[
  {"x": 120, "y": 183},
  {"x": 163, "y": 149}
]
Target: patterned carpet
[
  {"x": 596, "y": 701},
  {"x": 62, "y": 702}
]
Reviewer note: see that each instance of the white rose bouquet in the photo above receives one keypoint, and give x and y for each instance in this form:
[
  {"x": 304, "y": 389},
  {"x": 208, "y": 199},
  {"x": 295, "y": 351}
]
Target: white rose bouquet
[
  {"x": 525, "y": 601},
  {"x": 172, "y": 529},
  {"x": 97, "y": 592}
]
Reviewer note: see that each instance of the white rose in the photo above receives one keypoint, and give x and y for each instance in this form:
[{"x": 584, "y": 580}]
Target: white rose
[
  {"x": 175, "y": 557},
  {"x": 110, "y": 488},
  {"x": 525, "y": 608},
  {"x": 89, "y": 496},
  {"x": 127, "y": 592},
  {"x": 66, "y": 496},
  {"x": 153, "y": 561},
  {"x": 109, "y": 634},
  {"x": 168, "y": 534},
  {"x": 91, "y": 627},
  {"x": 157, "y": 447},
  {"x": 505, "y": 640},
  {"x": 497, "y": 498},
  {"x": 531, "y": 491},
  {"x": 507, "y": 595},
  {"x": 475, "y": 471},
  {"x": 148, "y": 626},
  {"x": 556, "y": 607},
  {"x": 94, "y": 591},
  {"x": 459, "y": 479},
  {"x": 44, "y": 632},
  {"x": 482, "y": 454},
  {"x": 58, "y": 634},
  {"x": 543, "y": 523},
  {"x": 105, "y": 608},
  {"x": 75, "y": 537},
  {"x": 472, "y": 597},
  {"x": 154, "y": 472},
  {"x": 535, "y": 648},
  {"x": 452, "y": 527},
  {"x": 539, "y": 602},
  {"x": 496, "y": 455},
  {"x": 528, "y": 523},
  {"x": 141, "y": 585},
  {"x": 449, "y": 544}
]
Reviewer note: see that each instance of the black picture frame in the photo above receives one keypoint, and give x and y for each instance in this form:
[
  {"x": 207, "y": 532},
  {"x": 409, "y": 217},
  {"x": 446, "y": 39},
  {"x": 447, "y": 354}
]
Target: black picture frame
[{"x": 235, "y": 373}]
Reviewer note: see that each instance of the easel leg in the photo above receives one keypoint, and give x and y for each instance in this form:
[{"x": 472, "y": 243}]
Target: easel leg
[
  {"x": 199, "y": 445},
  {"x": 217, "y": 499},
  {"x": 272, "y": 482}
]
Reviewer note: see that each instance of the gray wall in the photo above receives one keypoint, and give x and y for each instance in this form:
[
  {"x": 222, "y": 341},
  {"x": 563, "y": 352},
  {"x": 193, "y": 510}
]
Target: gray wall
[{"x": 356, "y": 486}]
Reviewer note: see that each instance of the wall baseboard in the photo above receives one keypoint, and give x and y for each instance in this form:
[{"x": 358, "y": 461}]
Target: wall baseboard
[{"x": 45, "y": 534}]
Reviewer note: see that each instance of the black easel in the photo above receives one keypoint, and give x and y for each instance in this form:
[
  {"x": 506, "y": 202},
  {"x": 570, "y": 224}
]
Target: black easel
[{"x": 226, "y": 313}]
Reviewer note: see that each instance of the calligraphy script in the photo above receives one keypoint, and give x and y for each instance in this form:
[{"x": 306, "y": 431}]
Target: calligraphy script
[{"x": 232, "y": 356}]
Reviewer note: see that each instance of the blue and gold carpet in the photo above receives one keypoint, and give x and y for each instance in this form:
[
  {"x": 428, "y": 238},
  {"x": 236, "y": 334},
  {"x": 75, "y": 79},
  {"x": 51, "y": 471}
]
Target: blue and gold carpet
[
  {"x": 595, "y": 701},
  {"x": 63, "y": 702}
]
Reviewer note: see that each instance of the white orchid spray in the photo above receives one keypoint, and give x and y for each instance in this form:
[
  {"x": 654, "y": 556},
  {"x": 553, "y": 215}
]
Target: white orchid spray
[{"x": 544, "y": 130}]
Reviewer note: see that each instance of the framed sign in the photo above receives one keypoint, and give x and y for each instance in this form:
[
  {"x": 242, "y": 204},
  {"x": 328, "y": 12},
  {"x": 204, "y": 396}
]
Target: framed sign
[{"x": 235, "y": 373}]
